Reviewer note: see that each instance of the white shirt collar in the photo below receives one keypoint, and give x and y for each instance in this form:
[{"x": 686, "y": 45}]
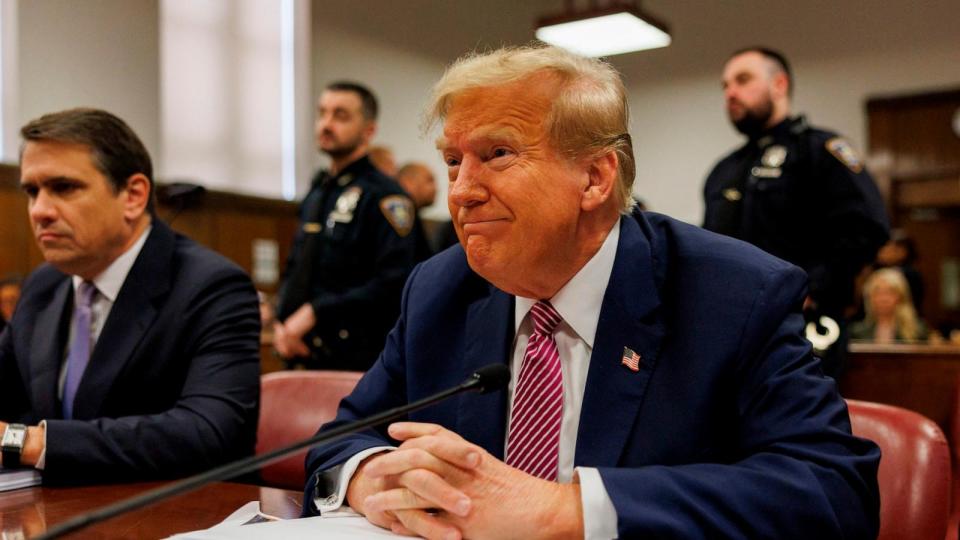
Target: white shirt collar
[
  {"x": 579, "y": 301},
  {"x": 111, "y": 280}
]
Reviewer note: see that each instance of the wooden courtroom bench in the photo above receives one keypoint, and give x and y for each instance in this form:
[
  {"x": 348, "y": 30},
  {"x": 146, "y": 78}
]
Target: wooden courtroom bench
[{"x": 922, "y": 378}]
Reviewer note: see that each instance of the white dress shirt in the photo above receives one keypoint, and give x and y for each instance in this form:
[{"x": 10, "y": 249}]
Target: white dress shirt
[
  {"x": 578, "y": 303},
  {"x": 108, "y": 285}
]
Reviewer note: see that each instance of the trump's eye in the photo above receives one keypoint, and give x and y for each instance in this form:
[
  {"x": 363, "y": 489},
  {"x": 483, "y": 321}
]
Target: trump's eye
[{"x": 451, "y": 161}]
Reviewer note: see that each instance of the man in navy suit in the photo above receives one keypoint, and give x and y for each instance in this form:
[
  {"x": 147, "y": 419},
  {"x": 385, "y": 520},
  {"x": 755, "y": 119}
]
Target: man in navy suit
[
  {"x": 689, "y": 404},
  {"x": 134, "y": 352}
]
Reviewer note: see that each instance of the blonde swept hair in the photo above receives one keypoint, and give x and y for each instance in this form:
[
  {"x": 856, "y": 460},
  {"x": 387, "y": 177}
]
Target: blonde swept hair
[
  {"x": 904, "y": 315},
  {"x": 589, "y": 117}
]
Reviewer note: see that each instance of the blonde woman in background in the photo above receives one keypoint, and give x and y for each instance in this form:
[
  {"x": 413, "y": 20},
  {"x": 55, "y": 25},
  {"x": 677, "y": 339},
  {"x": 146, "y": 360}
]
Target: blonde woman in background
[{"x": 890, "y": 315}]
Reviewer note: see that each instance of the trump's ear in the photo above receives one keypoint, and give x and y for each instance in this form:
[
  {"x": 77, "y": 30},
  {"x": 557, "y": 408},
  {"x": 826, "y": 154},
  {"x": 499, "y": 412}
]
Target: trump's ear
[{"x": 602, "y": 181}]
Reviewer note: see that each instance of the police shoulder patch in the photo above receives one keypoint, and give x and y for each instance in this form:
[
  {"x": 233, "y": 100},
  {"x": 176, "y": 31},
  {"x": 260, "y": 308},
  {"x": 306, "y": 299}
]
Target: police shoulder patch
[
  {"x": 398, "y": 209},
  {"x": 843, "y": 151}
]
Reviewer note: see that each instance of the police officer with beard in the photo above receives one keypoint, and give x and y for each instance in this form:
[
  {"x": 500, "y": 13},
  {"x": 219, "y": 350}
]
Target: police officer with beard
[
  {"x": 353, "y": 251},
  {"x": 798, "y": 192}
]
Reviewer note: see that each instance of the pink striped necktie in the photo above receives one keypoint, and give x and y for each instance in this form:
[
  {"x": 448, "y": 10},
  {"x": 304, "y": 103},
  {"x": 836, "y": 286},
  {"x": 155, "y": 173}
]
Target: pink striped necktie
[{"x": 533, "y": 444}]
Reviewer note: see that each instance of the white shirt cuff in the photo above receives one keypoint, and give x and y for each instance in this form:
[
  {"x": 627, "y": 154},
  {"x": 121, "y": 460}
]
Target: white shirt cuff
[
  {"x": 335, "y": 500},
  {"x": 42, "y": 460},
  {"x": 599, "y": 514}
]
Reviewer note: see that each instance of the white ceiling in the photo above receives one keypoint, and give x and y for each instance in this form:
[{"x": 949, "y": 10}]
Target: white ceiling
[{"x": 704, "y": 31}]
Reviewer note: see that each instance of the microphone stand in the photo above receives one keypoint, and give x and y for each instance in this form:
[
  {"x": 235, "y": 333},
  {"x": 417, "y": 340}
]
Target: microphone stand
[{"x": 486, "y": 379}]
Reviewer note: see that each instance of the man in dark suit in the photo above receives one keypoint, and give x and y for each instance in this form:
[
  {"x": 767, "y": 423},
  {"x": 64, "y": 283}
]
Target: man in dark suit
[
  {"x": 660, "y": 387},
  {"x": 133, "y": 353}
]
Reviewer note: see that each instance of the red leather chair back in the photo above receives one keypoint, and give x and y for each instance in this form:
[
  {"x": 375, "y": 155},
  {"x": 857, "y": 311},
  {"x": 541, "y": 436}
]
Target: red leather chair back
[
  {"x": 953, "y": 529},
  {"x": 914, "y": 472},
  {"x": 293, "y": 406}
]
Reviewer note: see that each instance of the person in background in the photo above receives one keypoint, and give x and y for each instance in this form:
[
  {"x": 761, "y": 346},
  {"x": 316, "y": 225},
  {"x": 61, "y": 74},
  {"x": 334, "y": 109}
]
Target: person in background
[
  {"x": 133, "y": 353},
  {"x": 795, "y": 191},
  {"x": 9, "y": 295},
  {"x": 382, "y": 158},
  {"x": 353, "y": 251},
  {"x": 660, "y": 385},
  {"x": 900, "y": 252},
  {"x": 890, "y": 316},
  {"x": 417, "y": 180}
]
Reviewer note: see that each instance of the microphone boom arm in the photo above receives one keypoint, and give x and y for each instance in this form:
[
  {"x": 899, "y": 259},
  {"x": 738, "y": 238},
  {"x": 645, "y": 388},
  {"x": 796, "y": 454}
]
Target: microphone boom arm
[{"x": 485, "y": 379}]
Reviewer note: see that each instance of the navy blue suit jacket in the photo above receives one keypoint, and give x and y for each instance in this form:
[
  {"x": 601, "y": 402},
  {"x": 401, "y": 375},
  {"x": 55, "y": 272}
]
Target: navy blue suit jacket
[
  {"x": 173, "y": 382},
  {"x": 728, "y": 430}
]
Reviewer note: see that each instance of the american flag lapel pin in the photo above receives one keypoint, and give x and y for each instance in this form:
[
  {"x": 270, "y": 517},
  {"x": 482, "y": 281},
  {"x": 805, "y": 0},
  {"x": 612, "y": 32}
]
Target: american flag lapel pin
[{"x": 631, "y": 359}]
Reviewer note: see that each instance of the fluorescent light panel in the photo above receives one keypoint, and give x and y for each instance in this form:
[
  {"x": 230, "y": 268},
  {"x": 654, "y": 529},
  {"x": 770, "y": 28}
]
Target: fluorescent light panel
[{"x": 605, "y": 36}]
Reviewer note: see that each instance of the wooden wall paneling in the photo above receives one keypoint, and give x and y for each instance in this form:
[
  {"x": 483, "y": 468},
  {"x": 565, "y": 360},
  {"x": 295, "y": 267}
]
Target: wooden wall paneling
[
  {"x": 921, "y": 378},
  {"x": 14, "y": 234},
  {"x": 18, "y": 251},
  {"x": 881, "y": 155},
  {"x": 936, "y": 239},
  {"x": 917, "y": 130},
  {"x": 931, "y": 193},
  {"x": 236, "y": 232},
  {"x": 195, "y": 223},
  {"x": 913, "y": 139}
]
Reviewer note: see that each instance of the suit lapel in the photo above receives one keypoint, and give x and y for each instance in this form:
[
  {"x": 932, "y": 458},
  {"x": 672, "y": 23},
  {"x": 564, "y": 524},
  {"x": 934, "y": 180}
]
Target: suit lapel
[
  {"x": 51, "y": 329},
  {"x": 488, "y": 339},
  {"x": 628, "y": 318},
  {"x": 130, "y": 318}
]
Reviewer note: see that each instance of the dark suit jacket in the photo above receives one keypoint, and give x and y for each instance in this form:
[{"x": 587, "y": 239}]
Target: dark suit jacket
[
  {"x": 729, "y": 429},
  {"x": 172, "y": 386}
]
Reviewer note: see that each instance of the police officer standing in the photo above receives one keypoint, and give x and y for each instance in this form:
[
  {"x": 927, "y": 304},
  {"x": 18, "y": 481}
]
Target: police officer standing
[
  {"x": 795, "y": 191},
  {"x": 353, "y": 251}
]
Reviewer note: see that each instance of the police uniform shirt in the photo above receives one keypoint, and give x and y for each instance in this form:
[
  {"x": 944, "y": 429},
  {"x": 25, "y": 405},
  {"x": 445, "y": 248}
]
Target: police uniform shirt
[
  {"x": 803, "y": 195},
  {"x": 350, "y": 259}
]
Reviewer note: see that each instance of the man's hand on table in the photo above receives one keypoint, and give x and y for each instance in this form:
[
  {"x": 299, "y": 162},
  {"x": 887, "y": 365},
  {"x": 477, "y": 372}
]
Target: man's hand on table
[{"x": 438, "y": 485}]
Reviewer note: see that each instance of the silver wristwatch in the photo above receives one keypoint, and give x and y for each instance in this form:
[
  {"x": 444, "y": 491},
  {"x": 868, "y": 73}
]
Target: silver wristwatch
[{"x": 12, "y": 444}]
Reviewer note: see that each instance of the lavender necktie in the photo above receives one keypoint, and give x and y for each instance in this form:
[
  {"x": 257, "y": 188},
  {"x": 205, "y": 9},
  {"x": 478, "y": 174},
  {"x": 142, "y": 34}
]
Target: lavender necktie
[
  {"x": 79, "y": 354},
  {"x": 533, "y": 444}
]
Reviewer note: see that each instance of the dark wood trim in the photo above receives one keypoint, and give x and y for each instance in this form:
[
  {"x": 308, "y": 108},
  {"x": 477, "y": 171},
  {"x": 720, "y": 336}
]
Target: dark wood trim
[{"x": 901, "y": 99}]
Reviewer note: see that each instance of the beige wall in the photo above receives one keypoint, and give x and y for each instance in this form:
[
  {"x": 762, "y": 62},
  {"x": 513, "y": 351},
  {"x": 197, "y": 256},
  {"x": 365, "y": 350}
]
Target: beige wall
[
  {"x": 401, "y": 82},
  {"x": 99, "y": 53},
  {"x": 107, "y": 53}
]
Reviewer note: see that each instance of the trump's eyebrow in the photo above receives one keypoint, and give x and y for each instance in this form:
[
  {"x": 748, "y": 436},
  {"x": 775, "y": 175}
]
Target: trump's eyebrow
[{"x": 496, "y": 133}]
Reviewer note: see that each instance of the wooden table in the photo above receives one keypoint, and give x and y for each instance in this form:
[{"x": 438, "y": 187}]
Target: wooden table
[{"x": 31, "y": 511}]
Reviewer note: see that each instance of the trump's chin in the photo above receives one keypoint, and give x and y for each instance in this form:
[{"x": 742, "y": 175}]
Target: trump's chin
[{"x": 482, "y": 258}]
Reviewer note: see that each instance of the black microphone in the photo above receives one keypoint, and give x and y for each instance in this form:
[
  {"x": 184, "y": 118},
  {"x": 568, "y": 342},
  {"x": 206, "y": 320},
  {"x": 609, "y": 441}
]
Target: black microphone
[{"x": 484, "y": 380}]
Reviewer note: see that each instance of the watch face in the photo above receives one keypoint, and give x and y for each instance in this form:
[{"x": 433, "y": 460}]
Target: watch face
[{"x": 13, "y": 437}]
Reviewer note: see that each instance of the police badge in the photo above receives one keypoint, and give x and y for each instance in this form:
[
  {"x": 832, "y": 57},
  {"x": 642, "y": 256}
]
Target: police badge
[
  {"x": 843, "y": 151},
  {"x": 774, "y": 156},
  {"x": 345, "y": 205},
  {"x": 399, "y": 213}
]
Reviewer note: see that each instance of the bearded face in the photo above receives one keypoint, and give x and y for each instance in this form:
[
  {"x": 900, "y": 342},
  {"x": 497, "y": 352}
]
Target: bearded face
[{"x": 751, "y": 120}]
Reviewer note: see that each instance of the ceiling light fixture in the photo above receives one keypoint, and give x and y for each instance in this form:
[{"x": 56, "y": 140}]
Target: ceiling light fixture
[{"x": 617, "y": 28}]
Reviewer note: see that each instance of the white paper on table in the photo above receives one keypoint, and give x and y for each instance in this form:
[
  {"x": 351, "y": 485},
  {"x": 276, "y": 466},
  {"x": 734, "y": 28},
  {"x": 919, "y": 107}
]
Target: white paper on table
[{"x": 342, "y": 524}]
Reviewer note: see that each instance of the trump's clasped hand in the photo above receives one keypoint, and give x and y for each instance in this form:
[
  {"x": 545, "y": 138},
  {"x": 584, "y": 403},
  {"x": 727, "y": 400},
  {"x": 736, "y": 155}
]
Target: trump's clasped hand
[{"x": 437, "y": 485}]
